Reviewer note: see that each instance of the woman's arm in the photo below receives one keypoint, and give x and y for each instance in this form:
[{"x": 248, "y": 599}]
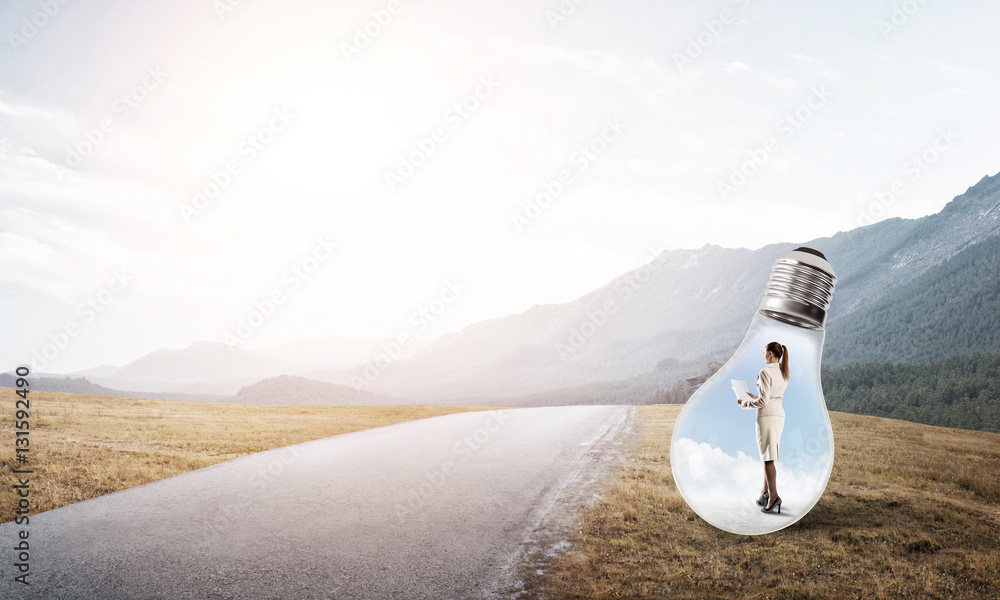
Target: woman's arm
[{"x": 764, "y": 388}]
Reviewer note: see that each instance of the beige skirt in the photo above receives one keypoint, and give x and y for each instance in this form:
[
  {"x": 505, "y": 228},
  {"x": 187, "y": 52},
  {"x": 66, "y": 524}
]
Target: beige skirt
[{"x": 768, "y": 435}]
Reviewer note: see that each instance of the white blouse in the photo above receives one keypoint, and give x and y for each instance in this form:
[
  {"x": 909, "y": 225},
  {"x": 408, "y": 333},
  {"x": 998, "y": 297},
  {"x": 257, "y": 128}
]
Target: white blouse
[{"x": 770, "y": 389}]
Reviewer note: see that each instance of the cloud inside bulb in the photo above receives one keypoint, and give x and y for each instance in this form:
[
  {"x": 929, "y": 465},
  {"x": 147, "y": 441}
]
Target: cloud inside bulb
[{"x": 720, "y": 479}]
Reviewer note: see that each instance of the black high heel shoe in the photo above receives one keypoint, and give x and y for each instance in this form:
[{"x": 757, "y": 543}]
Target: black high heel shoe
[
  {"x": 763, "y": 498},
  {"x": 777, "y": 504}
]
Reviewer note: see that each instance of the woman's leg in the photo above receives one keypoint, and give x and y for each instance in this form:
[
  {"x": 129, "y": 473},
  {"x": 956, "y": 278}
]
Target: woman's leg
[
  {"x": 771, "y": 478},
  {"x": 763, "y": 488}
]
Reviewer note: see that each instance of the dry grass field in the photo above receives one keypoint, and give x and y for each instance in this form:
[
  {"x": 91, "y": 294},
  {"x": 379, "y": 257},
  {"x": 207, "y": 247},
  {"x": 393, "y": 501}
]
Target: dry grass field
[
  {"x": 88, "y": 446},
  {"x": 911, "y": 511}
]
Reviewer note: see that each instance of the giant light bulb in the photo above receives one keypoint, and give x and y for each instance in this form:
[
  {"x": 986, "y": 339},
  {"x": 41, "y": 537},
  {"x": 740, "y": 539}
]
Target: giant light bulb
[{"x": 713, "y": 452}]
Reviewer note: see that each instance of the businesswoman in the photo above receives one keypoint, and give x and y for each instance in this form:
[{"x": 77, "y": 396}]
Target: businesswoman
[{"x": 771, "y": 384}]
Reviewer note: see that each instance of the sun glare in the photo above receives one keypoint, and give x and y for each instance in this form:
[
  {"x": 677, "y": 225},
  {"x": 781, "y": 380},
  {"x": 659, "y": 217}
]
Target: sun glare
[{"x": 338, "y": 142}]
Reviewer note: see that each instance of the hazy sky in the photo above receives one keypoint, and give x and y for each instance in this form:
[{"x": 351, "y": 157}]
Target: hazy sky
[{"x": 177, "y": 164}]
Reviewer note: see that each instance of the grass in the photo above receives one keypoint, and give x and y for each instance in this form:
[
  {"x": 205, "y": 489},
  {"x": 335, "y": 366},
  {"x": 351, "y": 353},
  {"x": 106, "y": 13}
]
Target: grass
[
  {"x": 911, "y": 511},
  {"x": 87, "y": 446}
]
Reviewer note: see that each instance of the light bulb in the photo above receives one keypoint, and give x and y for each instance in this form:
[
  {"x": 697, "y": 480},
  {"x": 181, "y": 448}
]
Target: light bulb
[{"x": 714, "y": 452}]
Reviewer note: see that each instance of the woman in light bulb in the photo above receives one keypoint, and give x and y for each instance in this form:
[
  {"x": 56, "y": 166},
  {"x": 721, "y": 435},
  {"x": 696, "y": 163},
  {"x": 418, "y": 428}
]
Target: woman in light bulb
[{"x": 771, "y": 384}]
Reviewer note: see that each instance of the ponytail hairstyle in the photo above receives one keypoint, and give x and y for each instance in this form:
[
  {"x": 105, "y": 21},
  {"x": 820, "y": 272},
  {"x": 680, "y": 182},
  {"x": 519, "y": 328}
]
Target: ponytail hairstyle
[{"x": 780, "y": 352}]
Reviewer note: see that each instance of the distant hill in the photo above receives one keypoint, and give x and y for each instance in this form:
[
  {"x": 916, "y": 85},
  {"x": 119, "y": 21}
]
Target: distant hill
[
  {"x": 284, "y": 389},
  {"x": 952, "y": 309},
  {"x": 82, "y": 385},
  {"x": 665, "y": 384},
  {"x": 212, "y": 365},
  {"x": 962, "y": 391},
  {"x": 98, "y": 371},
  {"x": 333, "y": 353},
  {"x": 207, "y": 367}
]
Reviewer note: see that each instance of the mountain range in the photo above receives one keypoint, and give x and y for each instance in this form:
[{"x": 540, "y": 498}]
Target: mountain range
[
  {"x": 215, "y": 368},
  {"x": 694, "y": 306},
  {"x": 908, "y": 290}
]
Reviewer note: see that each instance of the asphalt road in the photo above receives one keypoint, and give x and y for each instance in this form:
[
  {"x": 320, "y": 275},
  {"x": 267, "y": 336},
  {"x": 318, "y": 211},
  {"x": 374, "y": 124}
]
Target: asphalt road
[{"x": 440, "y": 508}]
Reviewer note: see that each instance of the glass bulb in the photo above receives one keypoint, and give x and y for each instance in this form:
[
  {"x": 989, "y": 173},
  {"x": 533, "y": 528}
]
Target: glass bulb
[{"x": 714, "y": 451}]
